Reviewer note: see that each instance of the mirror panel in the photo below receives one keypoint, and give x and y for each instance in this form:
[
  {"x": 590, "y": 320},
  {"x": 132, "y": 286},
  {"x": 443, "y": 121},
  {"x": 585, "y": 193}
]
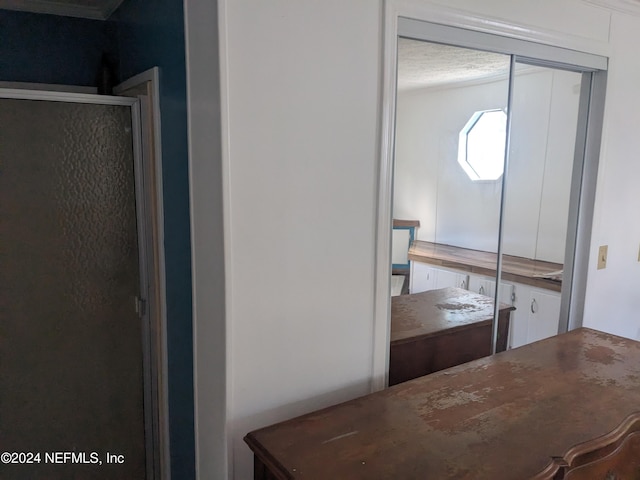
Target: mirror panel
[
  {"x": 481, "y": 233},
  {"x": 450, "y": 138},
  {"x": 545, "y": 103},
  {"x": 440, "y": 88}
]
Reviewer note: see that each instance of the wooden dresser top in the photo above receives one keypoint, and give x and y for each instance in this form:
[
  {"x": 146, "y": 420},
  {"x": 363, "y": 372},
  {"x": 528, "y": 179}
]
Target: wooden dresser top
[
  {"x": 515, "y": 269},
  {"x": 427, "y": 313},
  {"x": 500, "y": 417}
]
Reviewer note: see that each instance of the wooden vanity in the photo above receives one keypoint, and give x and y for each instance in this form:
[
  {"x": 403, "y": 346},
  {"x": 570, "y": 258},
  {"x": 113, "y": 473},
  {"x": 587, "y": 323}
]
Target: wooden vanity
[
  {"x": 515, "y": 415},
  {"x": 438, "y": 329}
]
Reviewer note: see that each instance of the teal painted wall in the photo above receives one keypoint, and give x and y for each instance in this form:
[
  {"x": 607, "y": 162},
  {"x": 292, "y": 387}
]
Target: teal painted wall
[
  {"x": 50, "y": 49},
  {"x": 140, "y": 35},
  {"x": 151, "y": 33}
]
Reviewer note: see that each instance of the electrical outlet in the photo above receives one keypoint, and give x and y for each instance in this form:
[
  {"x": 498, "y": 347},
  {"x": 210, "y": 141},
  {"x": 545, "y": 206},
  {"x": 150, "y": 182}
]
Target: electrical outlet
[{"x": 602, "y": 257}]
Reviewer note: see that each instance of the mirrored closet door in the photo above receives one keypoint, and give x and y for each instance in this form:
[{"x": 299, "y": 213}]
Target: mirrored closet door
[
  {"x": 487, "y": 174},
  {"x": 545, "y": 105}
]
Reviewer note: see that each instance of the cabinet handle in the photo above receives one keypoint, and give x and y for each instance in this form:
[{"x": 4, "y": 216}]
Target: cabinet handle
[
  {"x": 534, "y": 306},
  {"x": 481, "y": 291}
]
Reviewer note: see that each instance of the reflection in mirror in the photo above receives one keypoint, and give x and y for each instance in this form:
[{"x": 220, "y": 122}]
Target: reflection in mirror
[
  {"x": 544, "y": 120},
  {"x": 449, "y": 99}
]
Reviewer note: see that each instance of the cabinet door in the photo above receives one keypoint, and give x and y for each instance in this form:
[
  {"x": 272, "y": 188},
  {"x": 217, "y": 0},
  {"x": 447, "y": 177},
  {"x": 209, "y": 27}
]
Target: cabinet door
[
  {"x": 481, "y": 285},
  {"x": 544, "y": 315},
  {"x": 423, "y": 278},
  {"x": 446, "y": 278},
  {"x": 507, "y": 293},
  {"x": 519, "y": 326},
  {"x": 485, "y": 286}
]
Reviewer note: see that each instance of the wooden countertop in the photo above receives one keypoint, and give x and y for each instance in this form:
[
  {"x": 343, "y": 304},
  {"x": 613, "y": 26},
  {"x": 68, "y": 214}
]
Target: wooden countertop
[
  {"x": 447, "y": 309},
  {"x": 515, "y": 269},
  {"x": 501, "y": 417}
]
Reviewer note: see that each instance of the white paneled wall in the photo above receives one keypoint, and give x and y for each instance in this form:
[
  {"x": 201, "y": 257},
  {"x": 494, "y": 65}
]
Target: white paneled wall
[
  {"x": 613, "y": 298},
  {"x": 454, "y": 210},
  {"x": 303, "y": 119},
  {"x": 301, "y": 107}
]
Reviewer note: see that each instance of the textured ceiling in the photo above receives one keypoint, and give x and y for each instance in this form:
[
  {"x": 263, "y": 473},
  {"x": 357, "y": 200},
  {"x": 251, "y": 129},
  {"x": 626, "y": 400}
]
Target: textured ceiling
[{"x": 424, "y": 64}]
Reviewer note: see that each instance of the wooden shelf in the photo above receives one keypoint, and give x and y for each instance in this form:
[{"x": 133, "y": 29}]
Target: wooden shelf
[{"x": 515, "y": 269}]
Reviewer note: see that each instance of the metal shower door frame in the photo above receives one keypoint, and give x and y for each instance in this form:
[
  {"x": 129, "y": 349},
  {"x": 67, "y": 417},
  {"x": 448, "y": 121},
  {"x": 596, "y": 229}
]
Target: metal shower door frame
[{"x": 150, "y": 405}]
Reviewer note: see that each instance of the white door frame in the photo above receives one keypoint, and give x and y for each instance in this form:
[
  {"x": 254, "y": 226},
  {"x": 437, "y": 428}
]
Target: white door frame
[
  {"x": 211, "y": 245},
  {"x": 145, "y": 87},
  {"x": 394, "y": 11}
]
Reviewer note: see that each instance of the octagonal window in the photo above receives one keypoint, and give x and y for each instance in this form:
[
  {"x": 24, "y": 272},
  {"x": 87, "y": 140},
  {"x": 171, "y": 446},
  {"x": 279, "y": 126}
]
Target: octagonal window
[{"x": 481, "y": 145}]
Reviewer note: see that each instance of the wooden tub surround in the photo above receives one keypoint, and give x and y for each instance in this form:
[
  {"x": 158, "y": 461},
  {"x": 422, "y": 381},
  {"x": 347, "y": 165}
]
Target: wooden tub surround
[
  {"x": 509, "y": 416},
  {"x": 438, "y": 329}
]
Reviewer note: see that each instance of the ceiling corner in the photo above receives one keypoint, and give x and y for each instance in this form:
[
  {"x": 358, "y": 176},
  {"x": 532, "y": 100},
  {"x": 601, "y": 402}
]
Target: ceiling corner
[
  {"x": 109, "y": 7},
  {"x": 90, "y": 9},
  {"x": 631, "y": 7}
]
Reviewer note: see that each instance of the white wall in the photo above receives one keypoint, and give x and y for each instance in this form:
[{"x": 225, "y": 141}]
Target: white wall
[
  {"x": 430, "y": 185},
  {"x": 613, "y": 294},
  {"x": 559, "y": 156},
  {"x": 303, "y": 99},
  {"x": 565, "y": 23},
  {"x": 207, "y": 247},
  {"x": 301, "y": 105}
]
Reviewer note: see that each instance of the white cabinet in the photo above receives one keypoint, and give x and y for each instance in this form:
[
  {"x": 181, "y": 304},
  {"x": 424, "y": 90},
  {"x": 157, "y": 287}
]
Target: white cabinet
[
  {"x": 537, "y": 312},
  {"x": 481, "y": 284},
  {"x": 425, "y": 277},
  {"x": 519, "y": 327},
  {"x": 544, "y": 314},
  {"x": 536, "y": 317},
  {"x": 448, "y": 278},
  {"x": 487, "y": 286}
]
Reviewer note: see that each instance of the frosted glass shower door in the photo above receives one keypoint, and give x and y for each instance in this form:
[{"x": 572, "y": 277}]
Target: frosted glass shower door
[{"x": 71, "y": 358}]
